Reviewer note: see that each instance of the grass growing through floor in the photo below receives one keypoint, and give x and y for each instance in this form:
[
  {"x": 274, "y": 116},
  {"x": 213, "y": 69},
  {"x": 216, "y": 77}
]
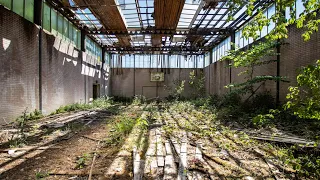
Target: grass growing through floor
[
  {"x": 101, "y": 103},
  {"x": 211, "y": 120}
]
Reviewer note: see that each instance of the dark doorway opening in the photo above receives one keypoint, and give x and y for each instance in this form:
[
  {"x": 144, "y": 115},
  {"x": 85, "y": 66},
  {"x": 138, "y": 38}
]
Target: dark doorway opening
[{"x": 96, "y": 91}]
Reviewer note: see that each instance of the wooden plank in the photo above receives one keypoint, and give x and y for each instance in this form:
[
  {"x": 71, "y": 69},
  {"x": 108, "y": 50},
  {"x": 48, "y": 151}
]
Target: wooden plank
[
  {"x": 198, "y": 153},
  {"x": 283, "y": 140},
  {"x": 182, "y": 167},
  {"x": 136, "y": 164},
  {"x": 168, "y": 148},
  {"x": 151, "y": 151},
  {"x": 182, "y": 173},
  {"x": 275, "y": 171},
  {"x": 160, "y": 154},
  {"x": 170, "y": 169}
]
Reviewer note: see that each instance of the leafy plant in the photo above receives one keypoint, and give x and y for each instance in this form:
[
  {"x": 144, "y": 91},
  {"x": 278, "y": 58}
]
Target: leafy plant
[
  {"x": 308, "y": 19},
  {"x": 250, "y": 60},
  {"x": 304, "y": 99},
  {"x": 82, "y": 160},
  {"x": 176, "y": 91},
  {"x": 138, "y": 100},
  {"x": 264, "y": 119},
  {"x": 122, "y": 126},
  {"x": 142, "y": 123}
]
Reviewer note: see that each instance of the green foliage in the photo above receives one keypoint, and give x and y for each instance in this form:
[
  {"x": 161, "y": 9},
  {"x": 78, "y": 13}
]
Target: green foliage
[
  {"x": 36, "y": 114},
  {"x": 142, "y": 123},
  {"x": 304, "y": 99},
  {"x": 308, "y": 19},
  {"x": 197, "y": 84},
  {"x": 249, "y": 60},
  {"x": 22, "y": 121},
  {"x": 138, "y": 100},
  {"x": 82, "y": 160},
  {"x": 104, "y": 102},
  {"x": 41, "y": 175},
  {"x": 264, "y": 119},
  {"x": 175, "y": 92},
  {"x": 231, "y": 100},
  {"x": 122, "y": 126}
]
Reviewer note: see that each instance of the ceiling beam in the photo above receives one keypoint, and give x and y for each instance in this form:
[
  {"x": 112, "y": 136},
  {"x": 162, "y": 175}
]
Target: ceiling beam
[
  {"x": 109, "y": 15},
  {"x": 165, "y": 49},
  {"x": 196, "y": 32}
]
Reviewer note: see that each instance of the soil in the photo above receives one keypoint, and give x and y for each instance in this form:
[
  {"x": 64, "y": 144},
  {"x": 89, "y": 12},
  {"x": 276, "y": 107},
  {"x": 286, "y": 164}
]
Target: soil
[{"x": 58, "y": 158}]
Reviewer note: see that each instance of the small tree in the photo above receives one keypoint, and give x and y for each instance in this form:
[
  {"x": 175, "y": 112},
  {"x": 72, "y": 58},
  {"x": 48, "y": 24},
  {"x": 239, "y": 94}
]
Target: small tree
[
  {"x": 197, "y": 84},
  {"x": 176, "y": 91},
  {"x": 249, "y": 60}
]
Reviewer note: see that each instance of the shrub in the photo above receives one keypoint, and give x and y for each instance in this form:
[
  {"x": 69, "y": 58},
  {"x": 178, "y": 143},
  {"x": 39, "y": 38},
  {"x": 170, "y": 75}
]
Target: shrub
[{"x": 304, "y": 99}]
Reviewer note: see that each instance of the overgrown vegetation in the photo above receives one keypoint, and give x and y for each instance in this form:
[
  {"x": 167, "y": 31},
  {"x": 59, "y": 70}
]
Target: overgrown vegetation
[
  {"x": 304, "y": 98},
  {"x": 123, "y": 125},
  {"x": 101, "y": 103},
  {"x": 249, "y": 60},
  {"x": 215, "y": 121},
  {"x": 175, "y": 92},
  {"x": 196, "y": 83}
]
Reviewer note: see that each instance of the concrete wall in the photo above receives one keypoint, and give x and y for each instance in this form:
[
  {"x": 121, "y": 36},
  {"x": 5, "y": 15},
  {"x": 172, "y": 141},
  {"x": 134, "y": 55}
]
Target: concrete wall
[
  {"x": 137, "y": 82},
  {"x": 57, "y": 75},
  {"x": 294, "y": 55}
]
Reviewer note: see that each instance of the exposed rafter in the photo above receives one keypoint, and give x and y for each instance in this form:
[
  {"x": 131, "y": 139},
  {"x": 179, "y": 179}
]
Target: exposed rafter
[
  {"x": 108, "y": 13},
  {"x": 152, "y": 25},
  {"x": 191, "y": 32}
]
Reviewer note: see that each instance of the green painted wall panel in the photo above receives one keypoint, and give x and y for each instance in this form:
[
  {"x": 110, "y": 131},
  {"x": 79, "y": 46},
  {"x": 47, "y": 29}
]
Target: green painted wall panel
[
  {"x": 6, "y": 3},
  {"x": 18, "y": 7},
  {"x": 46, "y": 17},
  {"x": 29, "y": 10}
]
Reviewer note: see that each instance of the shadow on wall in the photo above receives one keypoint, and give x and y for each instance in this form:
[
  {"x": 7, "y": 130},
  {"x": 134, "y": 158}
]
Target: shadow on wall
[{"x": 69, "y": 75}]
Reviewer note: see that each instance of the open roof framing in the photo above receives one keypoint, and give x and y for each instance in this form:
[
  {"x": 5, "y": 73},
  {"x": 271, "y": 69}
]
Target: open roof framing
[{"x": 167, "y": 26}]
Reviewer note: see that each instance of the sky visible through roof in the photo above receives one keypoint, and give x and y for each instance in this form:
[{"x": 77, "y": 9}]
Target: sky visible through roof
[{"x": 138, "y": 14}]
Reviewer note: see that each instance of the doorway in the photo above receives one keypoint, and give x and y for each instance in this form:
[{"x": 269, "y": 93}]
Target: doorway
[{"x": 96, "y": 91}]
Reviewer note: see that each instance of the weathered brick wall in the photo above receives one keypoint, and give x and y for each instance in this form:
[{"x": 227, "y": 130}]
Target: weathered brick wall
[
  {"x": 294, "y": 55},
  {"x": 65, "y": 77},
  {"x": 62, "y": 82},
  {"x": 126, "y": 85},
  {"x": 19, "y": 65},
  {"x": 217, "y": 77}
]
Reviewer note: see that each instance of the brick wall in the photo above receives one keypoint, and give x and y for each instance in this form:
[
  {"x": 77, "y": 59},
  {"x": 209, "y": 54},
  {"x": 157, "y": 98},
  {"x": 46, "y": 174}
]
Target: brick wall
[
  {"x": 294, "y": 55},
  {"x": 67, "y": 74},
  {"x": 19, "y": 65},
  {"x": 137, "y": 82}
]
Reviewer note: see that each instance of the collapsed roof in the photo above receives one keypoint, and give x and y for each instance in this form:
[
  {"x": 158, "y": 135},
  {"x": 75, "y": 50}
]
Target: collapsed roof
[{"x": 164, "y": 26}]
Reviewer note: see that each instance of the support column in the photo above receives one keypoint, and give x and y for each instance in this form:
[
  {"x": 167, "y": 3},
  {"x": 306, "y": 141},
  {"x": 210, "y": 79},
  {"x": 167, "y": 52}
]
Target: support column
[
  {"x": 233, "y": 47},
  {"x": 210, "y": 62},
  {"x": 38, "y": 21},
  {"x": 102, "y": 70},
  {"x": 83, "y": 49},
  {"x": 37, "y": 18},
  {"x": 282, "y": 11},
  {"x": 278, "y": 72},
  {"x": 134, "y": 75}
]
